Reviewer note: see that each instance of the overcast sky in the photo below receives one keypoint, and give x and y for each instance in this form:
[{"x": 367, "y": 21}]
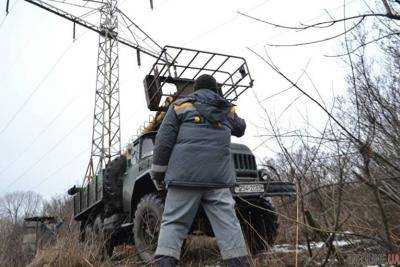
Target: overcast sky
[{"x": 48, "y": 81}]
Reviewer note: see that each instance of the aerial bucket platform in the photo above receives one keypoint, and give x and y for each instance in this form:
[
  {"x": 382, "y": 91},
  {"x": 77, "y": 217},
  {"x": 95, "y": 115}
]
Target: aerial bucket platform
[{"x": 175, "y": 70}]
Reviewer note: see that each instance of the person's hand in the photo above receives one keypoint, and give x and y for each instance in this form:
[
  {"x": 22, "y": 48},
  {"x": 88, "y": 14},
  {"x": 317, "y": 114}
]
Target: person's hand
[
  {"x": 161, "y": 185},
  {"x": 158, "y": 177}
]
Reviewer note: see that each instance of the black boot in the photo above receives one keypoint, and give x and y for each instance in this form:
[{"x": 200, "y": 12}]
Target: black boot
[
  {"x": 238, "y": 262},
  {"x": 165, "y": 261}
]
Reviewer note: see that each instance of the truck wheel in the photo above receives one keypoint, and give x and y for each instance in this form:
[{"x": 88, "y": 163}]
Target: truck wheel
[
  {"x": 263, "y": 228},
  {"x": 146, "y": 225}
]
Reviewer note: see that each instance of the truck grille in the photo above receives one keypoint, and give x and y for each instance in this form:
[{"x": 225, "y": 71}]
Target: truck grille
[{"x": 245, "y": 165}]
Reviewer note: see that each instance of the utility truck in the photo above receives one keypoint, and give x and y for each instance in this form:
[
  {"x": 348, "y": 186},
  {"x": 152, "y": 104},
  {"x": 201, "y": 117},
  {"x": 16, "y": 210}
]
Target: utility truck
[{"x": 136, "y": 200}]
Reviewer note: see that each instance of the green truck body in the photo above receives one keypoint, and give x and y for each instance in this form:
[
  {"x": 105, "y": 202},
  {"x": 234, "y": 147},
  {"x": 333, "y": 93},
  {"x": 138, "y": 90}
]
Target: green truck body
[
  {"x": 138, "y": 177},
  {"x": 252, "y": 194}
]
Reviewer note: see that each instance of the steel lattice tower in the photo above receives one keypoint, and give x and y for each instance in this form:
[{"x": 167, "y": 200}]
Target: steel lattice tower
[{"x": 106, "y": 137}]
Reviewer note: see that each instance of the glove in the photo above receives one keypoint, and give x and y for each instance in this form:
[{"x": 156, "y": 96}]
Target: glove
[{"x": 159, "y": 178}]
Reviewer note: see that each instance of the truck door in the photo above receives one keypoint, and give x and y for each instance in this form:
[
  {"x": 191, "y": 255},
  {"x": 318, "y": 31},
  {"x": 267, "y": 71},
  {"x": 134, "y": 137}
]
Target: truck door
[
  {"x": 130, "y": 178},
  {"x": 135, "y": 158},
  {"x": 146, "y": 151}
]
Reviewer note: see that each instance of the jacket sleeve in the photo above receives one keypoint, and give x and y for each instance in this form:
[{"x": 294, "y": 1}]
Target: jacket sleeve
[
  {"x": 165, "y": 142},
  {"x": 238, "y": 125}
]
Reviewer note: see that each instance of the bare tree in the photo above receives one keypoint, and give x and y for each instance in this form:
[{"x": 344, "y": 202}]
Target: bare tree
[
  {"x": 386, "y": 14},
  {"x": 348, "y": 174},
  {"x": 61, "y": 207},
  {"x": 17, "y": 205},
  {"x": 13, "y": 208}
]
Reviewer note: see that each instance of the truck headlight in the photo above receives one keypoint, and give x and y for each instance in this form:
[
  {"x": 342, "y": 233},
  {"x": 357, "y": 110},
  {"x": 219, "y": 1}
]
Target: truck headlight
[{"x": 263, "y": 174}]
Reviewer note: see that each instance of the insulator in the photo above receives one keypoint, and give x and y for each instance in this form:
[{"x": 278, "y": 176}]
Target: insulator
[
  {"x": 138, "y": 57},
  {"x": 7, "y": 6},
  {"x": 74, "y": 31}
]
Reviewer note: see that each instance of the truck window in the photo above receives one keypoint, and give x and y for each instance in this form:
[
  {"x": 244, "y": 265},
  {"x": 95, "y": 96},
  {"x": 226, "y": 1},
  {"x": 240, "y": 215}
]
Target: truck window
[
  {"x": 147, "y": 147},
  {"x": 135, "y": 152}
]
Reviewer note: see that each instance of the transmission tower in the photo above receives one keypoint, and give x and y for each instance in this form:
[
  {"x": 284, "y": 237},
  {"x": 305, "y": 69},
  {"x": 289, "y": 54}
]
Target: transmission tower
[{"x": 106, "y": 135}]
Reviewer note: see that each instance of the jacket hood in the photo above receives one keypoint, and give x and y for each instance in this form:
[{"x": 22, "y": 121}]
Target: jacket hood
[{"x": 210, "y": 105}]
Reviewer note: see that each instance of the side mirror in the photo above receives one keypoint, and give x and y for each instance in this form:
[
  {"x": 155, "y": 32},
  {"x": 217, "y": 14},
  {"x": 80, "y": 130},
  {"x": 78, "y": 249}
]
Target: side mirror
[{"x": 72, "y": 191}]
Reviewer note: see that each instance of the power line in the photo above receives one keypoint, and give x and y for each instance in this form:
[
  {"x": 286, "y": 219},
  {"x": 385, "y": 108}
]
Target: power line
[
  {"x": 13, "y": 117},
  {"x": 47, "y": 126},
  {"x": 36, "y": 138},
  {"x": 49, "y": 151},
  {"x": 61, "y": 167},
  {"x": 233, "y": 18},
  {"x": 230, "y": 20},
  {"x": 74, "y": 5},
  {"x": 9, "y": 10},
  {"x": 89, "y": 13},
  {"x": 105, "y": 31},
  {"x": 2, "y": 22},
  {"x": 126, "y": 19},
  {"x": 285, "y": 32},
  {"x": 309, "y": 20},
  {"x": 26, "y": 43},
  {"x": 67, "y": 164},
  {"x": 78, "y": 155}
]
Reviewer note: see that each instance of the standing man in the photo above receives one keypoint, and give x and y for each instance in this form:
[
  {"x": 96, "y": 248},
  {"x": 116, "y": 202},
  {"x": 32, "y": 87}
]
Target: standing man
[{"x": 192, "y": 156}]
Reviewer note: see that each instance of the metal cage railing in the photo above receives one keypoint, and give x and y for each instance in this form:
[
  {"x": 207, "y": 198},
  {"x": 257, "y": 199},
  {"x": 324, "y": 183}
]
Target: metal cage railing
[{"x": 175, "y": 70}]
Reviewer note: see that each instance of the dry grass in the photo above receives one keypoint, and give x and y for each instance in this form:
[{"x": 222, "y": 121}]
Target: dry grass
[
  {"x": 199, "y": 251},
  {"x": 68, "y": 251}
]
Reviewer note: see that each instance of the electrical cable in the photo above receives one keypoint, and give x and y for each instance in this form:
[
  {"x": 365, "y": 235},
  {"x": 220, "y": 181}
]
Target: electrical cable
[
  {"x": 89, "y": 13},
  {"x": 14, "y": 181},
  {"x": 309, "y": 20},
  {"x": 13, "y": 117},
  {"x": 226, "y": 22},
  {"x": 61, "y": 168},
  {"x": 71, "y": 160},
  {"x": 75, "y": 5},
  {"x": 27, "y": 100},
  {"x": 124, "y": 16},
  {"x": 9, "y": 10},
  {"x": 26, "y": 43},
  {"x": 233, "y": 18},
  {"x": 36, "y": 138},
  {"x": 2, "y": 22}
]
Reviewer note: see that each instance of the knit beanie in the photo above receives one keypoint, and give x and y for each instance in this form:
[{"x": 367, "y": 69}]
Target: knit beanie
[{"x": 206, "y": 81}]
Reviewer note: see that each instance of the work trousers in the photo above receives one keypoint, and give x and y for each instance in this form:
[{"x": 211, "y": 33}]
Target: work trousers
[{"x": 181, "y": 206}]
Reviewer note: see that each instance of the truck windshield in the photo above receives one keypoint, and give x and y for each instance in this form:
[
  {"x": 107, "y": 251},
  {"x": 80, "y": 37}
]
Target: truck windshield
[{"x": 147, "y": 147}]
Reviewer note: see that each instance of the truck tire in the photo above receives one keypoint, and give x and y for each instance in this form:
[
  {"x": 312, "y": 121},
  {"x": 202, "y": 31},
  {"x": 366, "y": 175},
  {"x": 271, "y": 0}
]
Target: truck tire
[
  {"x": 263, "y": 228},
  {"x": 146, "y": 225}
]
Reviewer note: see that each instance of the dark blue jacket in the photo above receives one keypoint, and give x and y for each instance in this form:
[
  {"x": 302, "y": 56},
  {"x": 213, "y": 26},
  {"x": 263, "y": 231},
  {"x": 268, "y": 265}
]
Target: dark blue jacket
[{"x": 193, "y": 143}]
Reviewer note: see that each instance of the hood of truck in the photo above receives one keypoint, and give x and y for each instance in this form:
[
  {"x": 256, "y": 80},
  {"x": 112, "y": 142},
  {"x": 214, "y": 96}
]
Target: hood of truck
[{"x": 240, "y": 149}]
